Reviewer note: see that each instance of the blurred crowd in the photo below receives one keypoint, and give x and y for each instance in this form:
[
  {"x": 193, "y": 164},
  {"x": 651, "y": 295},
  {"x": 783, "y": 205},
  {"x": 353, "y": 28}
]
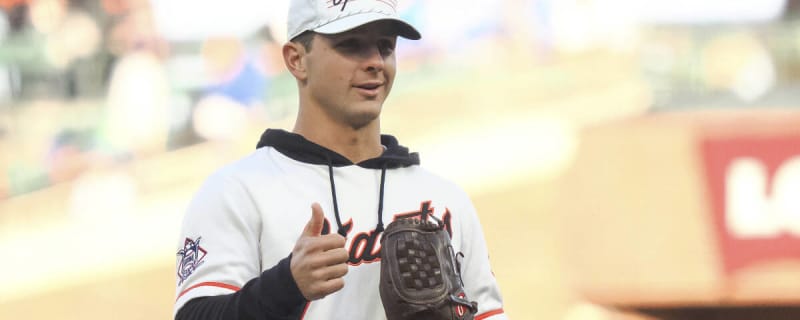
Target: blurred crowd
[
  {"x": 86, "y": 83},
  {"x": 95, "y": 83}
]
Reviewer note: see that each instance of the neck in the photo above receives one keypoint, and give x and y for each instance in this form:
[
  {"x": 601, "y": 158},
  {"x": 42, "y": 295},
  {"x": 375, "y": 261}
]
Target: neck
[{"x": 354, "y": 144}]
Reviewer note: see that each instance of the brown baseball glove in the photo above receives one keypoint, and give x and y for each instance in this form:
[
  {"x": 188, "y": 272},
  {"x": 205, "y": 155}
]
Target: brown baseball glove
[{"x": 420, "y": 278}]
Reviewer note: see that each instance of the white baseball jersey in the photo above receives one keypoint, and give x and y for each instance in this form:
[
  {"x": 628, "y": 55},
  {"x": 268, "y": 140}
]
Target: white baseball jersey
[{"x": 247, "y": 217}]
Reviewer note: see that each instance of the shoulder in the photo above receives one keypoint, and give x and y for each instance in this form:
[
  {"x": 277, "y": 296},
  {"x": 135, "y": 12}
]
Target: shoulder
[
  {"x": 229, "y": 191},
  {"x": 251, "y": 167},
  {"x": 436, "y": 179},
  {"x": 259, "y": 162},
  {"x": 432, "y": 183}
]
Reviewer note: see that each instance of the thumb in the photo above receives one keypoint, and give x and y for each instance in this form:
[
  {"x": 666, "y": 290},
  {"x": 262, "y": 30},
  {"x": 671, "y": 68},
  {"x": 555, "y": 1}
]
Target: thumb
[{"x": 317, "y": 221}]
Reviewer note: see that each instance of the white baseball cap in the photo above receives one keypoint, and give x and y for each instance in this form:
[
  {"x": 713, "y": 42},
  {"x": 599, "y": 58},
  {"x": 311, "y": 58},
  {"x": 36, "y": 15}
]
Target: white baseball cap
[{"x": 336, "y": 16}]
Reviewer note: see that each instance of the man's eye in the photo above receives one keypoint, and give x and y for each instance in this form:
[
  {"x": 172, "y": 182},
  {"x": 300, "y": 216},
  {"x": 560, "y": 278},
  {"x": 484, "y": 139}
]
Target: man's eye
[
  {"x": 348, "y": 44},
  {"x": 386, "y": 47}
]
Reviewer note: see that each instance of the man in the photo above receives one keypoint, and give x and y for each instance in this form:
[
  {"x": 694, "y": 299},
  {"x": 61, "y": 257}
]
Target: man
[{"x": 292, "y": 231}]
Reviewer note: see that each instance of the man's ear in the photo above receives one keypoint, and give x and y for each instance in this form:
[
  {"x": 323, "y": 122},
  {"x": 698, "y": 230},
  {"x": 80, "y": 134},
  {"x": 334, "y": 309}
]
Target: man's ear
[{"x": 293, "y": 54}]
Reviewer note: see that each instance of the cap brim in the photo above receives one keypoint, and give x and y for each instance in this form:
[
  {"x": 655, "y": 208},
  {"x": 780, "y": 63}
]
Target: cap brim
[{"x": 404, "y": 29}]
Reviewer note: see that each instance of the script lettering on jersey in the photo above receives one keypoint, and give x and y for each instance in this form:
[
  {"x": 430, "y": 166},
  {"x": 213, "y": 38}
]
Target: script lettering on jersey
[
  {"x": 326, "y": 226},
  {"x": 365, "y": 247}
]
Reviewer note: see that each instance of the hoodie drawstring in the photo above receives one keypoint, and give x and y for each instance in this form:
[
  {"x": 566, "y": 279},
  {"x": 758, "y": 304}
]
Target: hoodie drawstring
[
  {"x": 341, "y": 230},
  {"x": 379, "y": 227}
]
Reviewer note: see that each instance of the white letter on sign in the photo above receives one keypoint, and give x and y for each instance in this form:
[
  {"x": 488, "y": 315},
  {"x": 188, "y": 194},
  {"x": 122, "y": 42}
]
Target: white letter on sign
[
  {"x": 750, "y": 211},
  {"x": 786, "y": 195}
]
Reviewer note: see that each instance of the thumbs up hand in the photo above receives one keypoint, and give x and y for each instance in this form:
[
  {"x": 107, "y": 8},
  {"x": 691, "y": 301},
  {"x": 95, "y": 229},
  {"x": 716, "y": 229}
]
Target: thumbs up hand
[{"x": 318, "y": 261}]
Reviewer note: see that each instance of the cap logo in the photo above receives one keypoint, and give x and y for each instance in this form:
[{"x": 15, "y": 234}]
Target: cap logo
[
  {"x": 337, "y": 16},
  {"x": 339, "y": 2},
  {"x": 343, "y": 3}
]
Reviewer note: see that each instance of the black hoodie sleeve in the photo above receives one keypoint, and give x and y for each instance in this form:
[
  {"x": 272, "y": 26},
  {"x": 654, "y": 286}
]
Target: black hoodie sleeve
[{"x": 273, "y": 295}]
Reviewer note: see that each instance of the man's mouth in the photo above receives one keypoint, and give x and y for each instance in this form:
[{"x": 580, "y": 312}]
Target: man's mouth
[
  {"x": 369, "y": 89},
  {"x": 369, "y": 86}
]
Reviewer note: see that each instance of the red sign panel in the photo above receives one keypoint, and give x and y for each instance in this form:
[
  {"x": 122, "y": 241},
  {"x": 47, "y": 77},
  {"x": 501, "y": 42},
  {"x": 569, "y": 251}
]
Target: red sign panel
[{"x": 754, "y": 188}]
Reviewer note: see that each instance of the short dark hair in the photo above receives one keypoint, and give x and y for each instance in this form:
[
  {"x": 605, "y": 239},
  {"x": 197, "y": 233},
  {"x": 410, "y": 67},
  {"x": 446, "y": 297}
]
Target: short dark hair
[{"x": 305, "y": 39}]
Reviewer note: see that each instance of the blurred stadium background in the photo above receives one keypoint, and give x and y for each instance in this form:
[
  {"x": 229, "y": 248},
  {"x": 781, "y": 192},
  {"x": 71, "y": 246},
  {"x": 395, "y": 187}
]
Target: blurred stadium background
[{"x": 588, "y": 133}]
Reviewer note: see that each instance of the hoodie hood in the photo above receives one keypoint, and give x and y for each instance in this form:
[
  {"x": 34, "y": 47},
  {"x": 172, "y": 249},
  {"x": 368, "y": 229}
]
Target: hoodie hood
[{"x": 300, "y": 149}]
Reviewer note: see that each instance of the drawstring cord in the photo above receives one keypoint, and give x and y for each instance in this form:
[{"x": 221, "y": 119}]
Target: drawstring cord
[
  {"x": 341, "y": 230},
  {"x": 379, "y": 227}
]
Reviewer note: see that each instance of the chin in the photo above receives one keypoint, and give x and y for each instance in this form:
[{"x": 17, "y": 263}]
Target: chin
[{"x": 364, "y": 118}]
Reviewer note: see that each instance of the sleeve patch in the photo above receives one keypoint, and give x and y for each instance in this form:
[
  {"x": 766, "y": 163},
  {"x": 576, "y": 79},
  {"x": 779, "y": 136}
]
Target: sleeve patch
[{"x": 190, "y": 258}]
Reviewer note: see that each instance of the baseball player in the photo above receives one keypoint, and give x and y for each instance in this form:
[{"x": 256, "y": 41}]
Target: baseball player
[{"x": 292, "y": 231}]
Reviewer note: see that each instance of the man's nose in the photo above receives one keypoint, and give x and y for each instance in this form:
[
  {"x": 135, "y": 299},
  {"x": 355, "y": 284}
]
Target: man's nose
[{"x": 374, "y": 59}]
